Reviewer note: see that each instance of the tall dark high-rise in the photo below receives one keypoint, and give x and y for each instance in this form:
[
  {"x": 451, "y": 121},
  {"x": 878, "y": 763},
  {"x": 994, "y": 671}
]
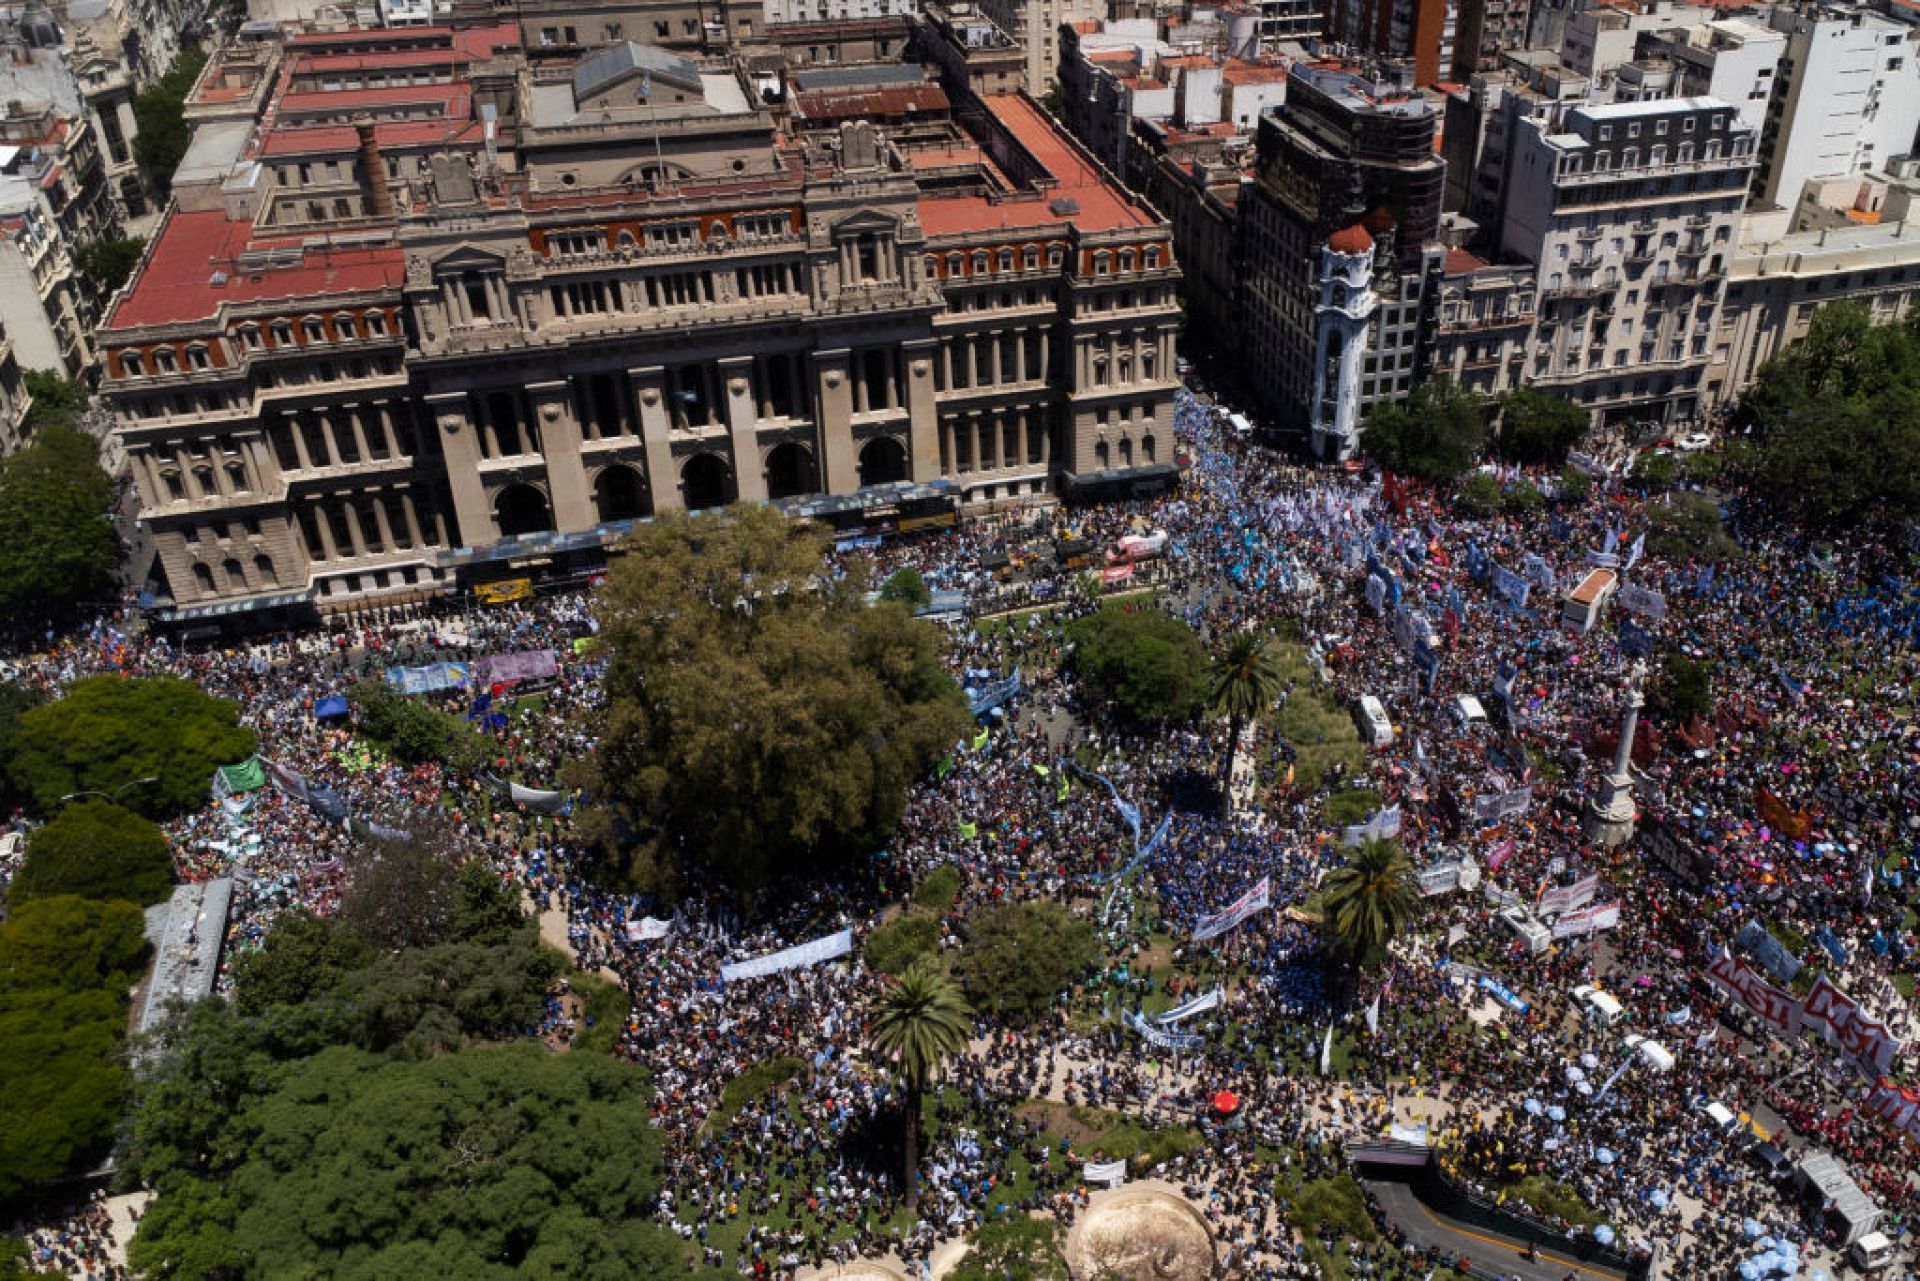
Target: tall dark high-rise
[{"x": 1352, "y": 148}]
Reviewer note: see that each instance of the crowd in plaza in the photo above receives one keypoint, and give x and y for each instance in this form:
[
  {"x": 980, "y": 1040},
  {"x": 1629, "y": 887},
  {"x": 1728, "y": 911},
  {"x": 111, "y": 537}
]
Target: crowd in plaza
[{"x": 1811, "y": 679}]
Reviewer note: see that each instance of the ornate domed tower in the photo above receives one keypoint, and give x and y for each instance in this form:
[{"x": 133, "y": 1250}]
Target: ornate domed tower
[{"x": 1341, "y": 318}]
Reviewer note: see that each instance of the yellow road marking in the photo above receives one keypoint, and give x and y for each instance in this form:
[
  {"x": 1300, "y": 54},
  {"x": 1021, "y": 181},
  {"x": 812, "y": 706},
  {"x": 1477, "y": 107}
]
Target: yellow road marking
[{"x": 1508, "y": 1245}]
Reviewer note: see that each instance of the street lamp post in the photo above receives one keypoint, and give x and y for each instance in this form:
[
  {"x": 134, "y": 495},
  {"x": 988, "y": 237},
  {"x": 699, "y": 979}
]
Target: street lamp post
[{"x": 115, "y": 794}]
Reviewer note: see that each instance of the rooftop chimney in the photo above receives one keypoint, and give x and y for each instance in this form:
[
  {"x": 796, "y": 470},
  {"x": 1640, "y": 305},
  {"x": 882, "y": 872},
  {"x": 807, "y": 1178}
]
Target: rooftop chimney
[{"x": 379, "y": 196}]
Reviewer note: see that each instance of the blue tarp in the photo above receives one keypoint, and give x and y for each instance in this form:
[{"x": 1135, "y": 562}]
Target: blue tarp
[{"x": 332, "y": 707}]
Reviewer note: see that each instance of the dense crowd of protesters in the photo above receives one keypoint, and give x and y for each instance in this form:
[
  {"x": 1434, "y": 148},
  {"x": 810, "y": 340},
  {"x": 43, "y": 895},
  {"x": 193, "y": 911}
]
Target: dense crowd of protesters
[{"x": 1812, "y": 677}]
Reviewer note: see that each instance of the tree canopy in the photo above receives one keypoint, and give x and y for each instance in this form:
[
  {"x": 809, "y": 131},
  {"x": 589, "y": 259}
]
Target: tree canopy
[
  {"x": 1141, "y": 659},
  {"x": 411, "y": 729},
  {"x": 159, "y": 120},
  {"x": 502, "y": 1161},
  {"x": 109, "y": 732},
  {"x": 1019, "y": 957},
  {"x": 1369, "y": 901},
  {"x": 108, "y": 263},
  {"x": 1438, "y": 432},
  {"x": 66, "y": 965},
  {"x": 1538, "y": 427},
  {"x": 1838, "y": 419},
  {"x": 58, "y": 401},
  {"x": 97, "y": 850},
  {"x": 58, "y": 548},
  {"x": 759, "y": 714}
]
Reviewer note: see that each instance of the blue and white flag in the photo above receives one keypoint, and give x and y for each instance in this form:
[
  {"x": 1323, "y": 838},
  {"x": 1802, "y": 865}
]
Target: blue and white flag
[{"x": 1187, "y": 1009}]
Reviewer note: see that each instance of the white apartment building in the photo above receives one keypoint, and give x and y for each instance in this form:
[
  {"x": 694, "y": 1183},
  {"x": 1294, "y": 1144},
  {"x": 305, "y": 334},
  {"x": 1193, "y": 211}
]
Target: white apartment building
[
  {"x": 784, "y": 11},
  {"x": 41, "y": 304},
  {"x": 1629, "y": 211},
  {"x": 1732, "y": 59},
  {"x": 1777, "y": 283},
  {"x": 1848, "y": 98},
  {"x": 1599, "y": 38}
]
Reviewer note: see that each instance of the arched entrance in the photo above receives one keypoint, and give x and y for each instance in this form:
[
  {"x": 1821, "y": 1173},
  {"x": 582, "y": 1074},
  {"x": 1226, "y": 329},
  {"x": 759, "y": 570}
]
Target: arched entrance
[
  {"x": 619, "y": 494},
  {"x": 522, "y": 509},
  {"x": 704, "y": 482},
  {"x": 882, "y": 461},
  {"x": 790, "y": 471}
]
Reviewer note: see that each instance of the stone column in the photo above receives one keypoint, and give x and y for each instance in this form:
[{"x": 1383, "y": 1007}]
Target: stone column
[
  {"x": 736, "y": 380},
  {"x": 560, "y": 450},
  {"x": 330, "y": 551},
  {"x": 834, "y": 428},
  {"x": 378, "y": 503},
  {"x": 460, "y": 447},
  {"x": 649, "y": 387},
  {"x": 407, "y": 505},
  {"x": 923, "y": 410}
]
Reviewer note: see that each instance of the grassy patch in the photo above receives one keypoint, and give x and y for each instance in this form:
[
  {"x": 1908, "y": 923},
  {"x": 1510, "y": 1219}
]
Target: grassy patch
[
  {"x": 938, "y": 889},
  {"x": 900, "y": 942},
  {"x": 760, "y": 1079},
  {"x": 1336, "y": 1206},
  {"x": 1351, "y": 806},
  {"x": 1097, "y": 1133},
  {"x": 605, "y": 1014},
  {"x": 1320, "y": 731},
  {"x": 1903, "y": 984},
  {"x": 1549, "y": 1196}
]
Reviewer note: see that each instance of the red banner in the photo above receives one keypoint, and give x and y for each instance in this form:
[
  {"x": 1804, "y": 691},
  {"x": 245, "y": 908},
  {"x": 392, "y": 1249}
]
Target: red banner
[{"x": 1794, "y": 824}]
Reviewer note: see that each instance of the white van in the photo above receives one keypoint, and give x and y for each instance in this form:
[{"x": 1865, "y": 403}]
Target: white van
[
  {"x": 1597, "y": 1007},
  {"x": 1651, "y": 1052},
  {"x": 1720, "y": 1116},
  {"x": 1469, "y": 713},
  {"x": 1370, "y": 714},
  {"x": 1871, "y": 1251}
]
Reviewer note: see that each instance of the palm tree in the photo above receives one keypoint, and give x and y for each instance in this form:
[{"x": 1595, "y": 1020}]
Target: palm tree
[
  {"x": 1367, "y": 903},
  {"x": 919, "y": 1023},
  {"x": 1244, "y": 680}
]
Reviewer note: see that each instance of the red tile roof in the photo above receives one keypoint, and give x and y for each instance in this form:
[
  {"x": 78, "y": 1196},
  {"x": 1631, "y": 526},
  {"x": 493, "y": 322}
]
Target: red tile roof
[
  {"x": 1102, "y": 205},
  {"x": 176, "y": 283},
  {"x": 1461, "y": 263},
  {"x": 327, "y": 140},
  {"x": 1353, "y": 239},
  {"x": 453, "y": 98},
  {"x": 900, "y": 100}
]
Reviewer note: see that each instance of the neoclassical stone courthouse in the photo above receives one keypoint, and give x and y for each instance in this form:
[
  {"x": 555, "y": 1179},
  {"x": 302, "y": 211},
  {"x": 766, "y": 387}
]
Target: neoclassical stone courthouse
[{"x": 425, "y": 313}]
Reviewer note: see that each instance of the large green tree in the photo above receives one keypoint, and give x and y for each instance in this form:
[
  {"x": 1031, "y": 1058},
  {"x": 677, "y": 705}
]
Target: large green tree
[
  {"x": 108, "y": 733},
  {"x": 108, "y": 263},
  {"x": 162, "y": 132},
  {"x": 66, "y": 965},
  {"x": 1019, "y": 957},
  {"x": 97, "y": 850},
  {"x": 1243, "y": 680},
  {"x": 58, "y": 401},
  {"x": 491, "y": 1162},
  {"x": 759, "y": 714},
  {"x": 58, "y": 549},
  {"x": 1838, "y": 419},
  {"x": 411, "y": 729},
  {"x": 1142, "y": 660},
  {"x": 1438, "y": 432},
  {"x": 1539, "y": 427},
  {"x": 1369, "y": 901},
  {"x": 917, "y": 1024}
]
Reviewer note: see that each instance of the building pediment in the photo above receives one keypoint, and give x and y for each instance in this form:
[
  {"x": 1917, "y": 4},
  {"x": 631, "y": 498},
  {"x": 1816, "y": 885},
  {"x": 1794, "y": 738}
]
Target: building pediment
[
  {"x": 465, "y": 258},
  {"x": 865, "y": 220}
]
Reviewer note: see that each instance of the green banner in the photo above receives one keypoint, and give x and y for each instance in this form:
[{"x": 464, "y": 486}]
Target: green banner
[
  {"x": 980, "y": 740},
  {"x": 969, "y": 830},
  {"x": 245, "y": 776}
]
